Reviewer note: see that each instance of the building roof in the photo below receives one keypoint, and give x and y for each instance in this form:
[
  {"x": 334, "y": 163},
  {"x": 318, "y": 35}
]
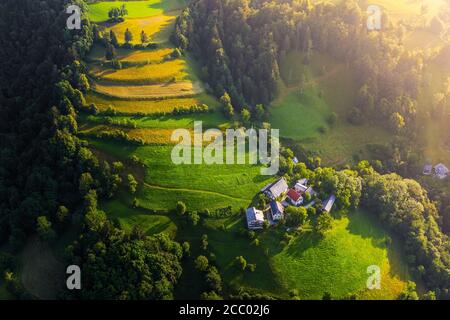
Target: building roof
[
  {"x": 254, "y": 215},
  {"x": 294, "y": 195},
  {"x": 295, "y": 160},
  {"x": 303, "y": 181},
  {"x": 300, "y": 187},
  {"x": 278, "y": 188},
  {"x": 328, "y": 204},
  {"x": 276, "y": 207},
  {"x": 441, "y": 168},
  {"x": 427, "y": 169}
]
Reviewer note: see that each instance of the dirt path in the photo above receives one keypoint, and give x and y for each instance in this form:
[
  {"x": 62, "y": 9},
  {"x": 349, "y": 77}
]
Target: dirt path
[{"x": 194, "y": 191}]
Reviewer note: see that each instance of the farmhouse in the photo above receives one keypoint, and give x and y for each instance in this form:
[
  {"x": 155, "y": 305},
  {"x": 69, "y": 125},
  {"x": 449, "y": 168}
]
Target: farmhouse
[
  {"x": 328, "y": 204},
  {"x": 255, "y": 219},
  {"x": 428, "y": 169},
  {"x": 441, "y": 171},
  {"x": 276, "y": 210},
  {"x": 275, "y": 190},
  {"x": 295, "y": 197},
  {"x": 301, "y": 186}
]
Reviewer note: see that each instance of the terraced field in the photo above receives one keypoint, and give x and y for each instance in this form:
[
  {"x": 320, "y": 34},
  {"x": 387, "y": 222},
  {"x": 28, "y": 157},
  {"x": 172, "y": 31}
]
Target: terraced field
[
  {"x": 172, "y": 71},
  {"x": 149, "y": 85},
  {"x": 156, "y": 91}
]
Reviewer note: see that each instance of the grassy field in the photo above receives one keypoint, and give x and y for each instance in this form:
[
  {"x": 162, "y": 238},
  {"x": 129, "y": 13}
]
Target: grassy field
[
  {"x": 120, "y": 209},
  {"x": 328, "y": 87},
  {"x": 174, "y": 70},
  {"x": 98, "y": 12},
  {"x": 97, "y": 53},
  {"x": 209, "y": 120},
  {"x": 141, "y": 106},
  {"x": 336, "y": 264},
  {"x": 181, "y": 89},
  {"x": 300, "y": 116},
  {"x": 157, "y": 28},
  {"x": 199, "y": 186}
]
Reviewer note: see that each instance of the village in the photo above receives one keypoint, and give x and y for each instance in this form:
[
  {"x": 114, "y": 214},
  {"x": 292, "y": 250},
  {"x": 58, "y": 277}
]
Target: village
[{"x": 281, "y": 196}]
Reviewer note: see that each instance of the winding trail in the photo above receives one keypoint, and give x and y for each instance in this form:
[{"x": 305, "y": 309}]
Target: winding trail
[{"x": 194, "y": 191}]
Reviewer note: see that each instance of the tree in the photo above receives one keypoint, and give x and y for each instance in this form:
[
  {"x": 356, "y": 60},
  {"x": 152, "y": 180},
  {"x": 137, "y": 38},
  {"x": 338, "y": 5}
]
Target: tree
[
  {"x": 210, "y": 296},
  {"x": 180, "y": 208},
  {"x": 245, "y": 115},
  {"x": 201, "y": 263},
  {"x": 123, "y": 10},
  {"x": 294, "y": 294},
  {"x": 396, "y": 122},
  {"x": 332, "y": 119},
  {"x": 114, "y": 14},
  {"x": 410, "y": 292},
  {"x": 327, "y": 296},
  {"x": 324, "y": 223},
  {"x": 251, "y": 267},
  {"x": 228, "y": 109},
  {"x": 186, "y": 248},
  {"x": 430, "y": 295},
  {"x": 213, "y": 279},
  {"x": 259, "y": 113},
  {"x": 44, "y": 229},
  {"x": 296, "y": 216},
  {"x": 194, "y": 218},
  {"x": 144, "y": 37},
  {"x": 113, "y": 38},
  {"x": 241, "y": 263},
  {"x": 85, "y": 183},
  {"x": 128, "y": 36},
  {"x": 83, "y": 83},
  {"x": 204, "y": 242},
  {"x": 135, "y": 203},
  {"x": 62, "y": 214},
  {"x": 132, "y": 183},
  {"x": 110, "y": 53}
]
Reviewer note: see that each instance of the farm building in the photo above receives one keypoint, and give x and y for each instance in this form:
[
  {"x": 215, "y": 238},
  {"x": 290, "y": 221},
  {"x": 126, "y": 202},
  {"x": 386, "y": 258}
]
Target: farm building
[
  {"x": 441, "y": 171},
  {"x": 255, "y": 218},
  {"x": 277, "y": 189},
  {"x": 295, "y": 197},
  {"x": 276, "y": 210},
  {"x": 428, "y": 169},
  {"x": 329, "y": 203},
  {"x": 301, "y": 186}
]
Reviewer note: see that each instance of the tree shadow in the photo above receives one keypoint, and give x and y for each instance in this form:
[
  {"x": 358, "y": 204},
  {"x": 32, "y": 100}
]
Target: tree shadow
[
  {"x": 302, "y": 243},
  {"x": 366, "y": 226}
]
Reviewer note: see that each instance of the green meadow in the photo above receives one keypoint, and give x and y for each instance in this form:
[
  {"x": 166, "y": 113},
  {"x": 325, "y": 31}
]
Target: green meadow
[
  {"x": 98, "y": 12},
  {"x": 309, "y": 94},
  {"x": 200, "y": 186},
  {"x": 336, "y": 264}
]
